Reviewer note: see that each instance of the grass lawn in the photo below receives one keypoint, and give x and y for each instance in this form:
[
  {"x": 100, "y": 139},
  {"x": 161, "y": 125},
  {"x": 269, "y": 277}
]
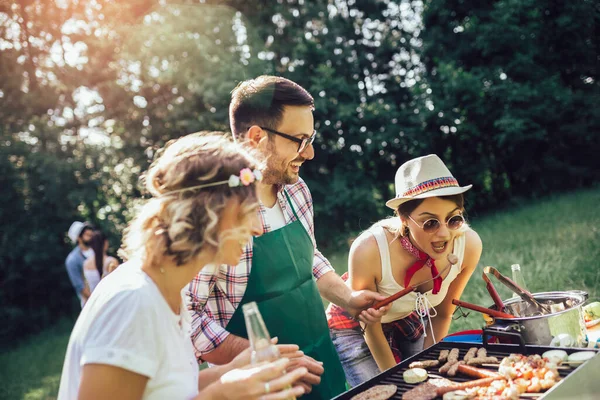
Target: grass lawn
[
  {"x": 556, "y": 241},
  {"x": 32, "y": 370}
]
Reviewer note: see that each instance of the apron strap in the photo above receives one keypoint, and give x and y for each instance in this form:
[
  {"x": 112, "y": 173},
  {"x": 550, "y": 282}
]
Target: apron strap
[{"x": 290, "y": 203}]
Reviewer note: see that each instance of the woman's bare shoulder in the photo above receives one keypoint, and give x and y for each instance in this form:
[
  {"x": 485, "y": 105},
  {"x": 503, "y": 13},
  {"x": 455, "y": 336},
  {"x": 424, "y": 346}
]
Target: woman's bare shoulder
[
  {"x": 364, "y": 256},
  {"x": 473, "y": 248}
]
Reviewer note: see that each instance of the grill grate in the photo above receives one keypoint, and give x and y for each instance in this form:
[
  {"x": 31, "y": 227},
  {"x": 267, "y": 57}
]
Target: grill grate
[{"x": 394, "y": 375}]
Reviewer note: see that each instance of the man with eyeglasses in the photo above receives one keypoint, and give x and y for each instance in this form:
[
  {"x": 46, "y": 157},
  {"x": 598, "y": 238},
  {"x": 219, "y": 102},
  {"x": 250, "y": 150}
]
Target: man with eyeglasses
[{"x": 282, "y": 270}]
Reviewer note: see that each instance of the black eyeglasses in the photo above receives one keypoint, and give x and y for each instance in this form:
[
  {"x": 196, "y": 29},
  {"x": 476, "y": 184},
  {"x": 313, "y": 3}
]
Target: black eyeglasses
[
  {"x": 432, "y": 225},
  {"x": 302, "y": 143}
]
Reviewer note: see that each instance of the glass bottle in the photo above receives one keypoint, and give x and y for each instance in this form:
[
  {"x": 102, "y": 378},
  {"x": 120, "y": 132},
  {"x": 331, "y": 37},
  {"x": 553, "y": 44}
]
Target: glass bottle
[
  {"x": 517, "y": 277},
  {"x": 258, "y": 335},
  {"x": 260, "y": 340}
]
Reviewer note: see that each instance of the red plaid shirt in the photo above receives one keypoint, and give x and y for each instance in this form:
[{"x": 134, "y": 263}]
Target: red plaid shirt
[
  {"x": 339, "y": 318},
  {"x": 216, "y": 292},
  {"x": 408, "y": 328}
]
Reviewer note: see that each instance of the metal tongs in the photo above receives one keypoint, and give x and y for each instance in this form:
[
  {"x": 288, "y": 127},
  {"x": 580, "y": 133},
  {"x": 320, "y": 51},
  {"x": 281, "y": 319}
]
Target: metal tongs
[
  {"x": 522, "y": 293},
  {"x": 493, "y": 293}
]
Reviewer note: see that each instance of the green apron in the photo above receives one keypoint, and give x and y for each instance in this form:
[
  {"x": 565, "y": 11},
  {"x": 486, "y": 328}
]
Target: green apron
[{"x": 281, "y": 283}]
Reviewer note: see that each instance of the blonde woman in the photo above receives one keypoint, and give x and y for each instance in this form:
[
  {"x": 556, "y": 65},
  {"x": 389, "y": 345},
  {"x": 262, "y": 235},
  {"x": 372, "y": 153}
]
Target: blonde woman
[
  {"x": 427, "y": 245},
  {"x": 132, "y": 340}
]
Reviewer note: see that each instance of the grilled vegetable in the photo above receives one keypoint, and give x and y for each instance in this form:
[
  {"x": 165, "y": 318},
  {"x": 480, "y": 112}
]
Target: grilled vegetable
[
  {"x": 556, "y": 356},
  {"x": 415, "y": 375},
  {"x": 580, "y": 357}
]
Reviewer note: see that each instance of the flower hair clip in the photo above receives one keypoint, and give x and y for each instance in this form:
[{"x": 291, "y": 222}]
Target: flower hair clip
[{"x": 245, "y": 178}]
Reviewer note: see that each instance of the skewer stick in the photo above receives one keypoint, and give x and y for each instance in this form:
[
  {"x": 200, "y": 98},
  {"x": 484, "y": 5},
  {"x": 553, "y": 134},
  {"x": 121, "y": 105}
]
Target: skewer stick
[
  {"x": 394, "y": 297},
  {"x": 497, "y": 365},
  {"x": 488, "y": 311}
]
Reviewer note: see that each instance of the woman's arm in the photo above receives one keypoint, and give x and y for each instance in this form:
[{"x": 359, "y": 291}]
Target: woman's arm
[
  {"x": 364, "y": 269},
  {"x": 441, "y": 322},
  {"x": 100, "y": 381},
  {"x": 112, "y": 264},
  {"x": 378, "y": 344}
]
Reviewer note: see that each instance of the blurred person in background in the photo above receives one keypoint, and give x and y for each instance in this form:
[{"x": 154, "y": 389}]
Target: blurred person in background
[
  {"x": 80, "y": 234},
  {"x": 101, "y": 264}
]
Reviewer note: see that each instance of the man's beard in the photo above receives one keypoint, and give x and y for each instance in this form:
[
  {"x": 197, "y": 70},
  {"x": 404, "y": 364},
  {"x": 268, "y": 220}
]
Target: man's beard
[
  {"x": 273, "y": 174},
  {"x": 86, "y": 243}
]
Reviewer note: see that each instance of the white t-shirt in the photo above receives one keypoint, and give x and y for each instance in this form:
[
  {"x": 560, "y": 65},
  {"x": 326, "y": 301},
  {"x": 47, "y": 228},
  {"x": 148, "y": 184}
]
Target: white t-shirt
[
  {"x": 127, "y": 323},
  {"x": 88, "y": 253},
  {"x": 274, "y": 216}
]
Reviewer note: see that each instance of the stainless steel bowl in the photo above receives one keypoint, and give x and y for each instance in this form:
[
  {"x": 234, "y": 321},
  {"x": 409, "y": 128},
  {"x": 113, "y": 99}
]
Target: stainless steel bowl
[{"x": 563, "y": 327}]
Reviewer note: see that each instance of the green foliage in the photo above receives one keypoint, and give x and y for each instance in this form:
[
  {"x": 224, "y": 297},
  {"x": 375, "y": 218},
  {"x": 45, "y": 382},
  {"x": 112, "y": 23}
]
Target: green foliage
[
  {"x": 515, "y": 89},
  {"x": 506, "y": 92}
]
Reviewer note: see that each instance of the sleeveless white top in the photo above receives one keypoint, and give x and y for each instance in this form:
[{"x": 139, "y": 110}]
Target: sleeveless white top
[
  {"x": 92, "y": 277},
  {"x": 388, "y": 285}
]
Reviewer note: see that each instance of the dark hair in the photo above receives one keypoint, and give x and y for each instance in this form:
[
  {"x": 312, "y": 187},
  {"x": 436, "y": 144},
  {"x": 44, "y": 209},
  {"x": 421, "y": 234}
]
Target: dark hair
[
  {"x": 261, "y": 102},
  {"x": 86, "y": 227},
  {"x": 97, "y": 244},
  {"x": 405, "y": 209}
]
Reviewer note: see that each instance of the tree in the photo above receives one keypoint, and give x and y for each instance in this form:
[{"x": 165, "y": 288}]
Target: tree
[{"x": 514, "y": 86}]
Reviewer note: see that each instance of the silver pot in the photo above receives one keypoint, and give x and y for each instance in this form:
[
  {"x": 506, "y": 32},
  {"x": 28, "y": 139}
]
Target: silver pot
[{"x": 563, "y": 327}]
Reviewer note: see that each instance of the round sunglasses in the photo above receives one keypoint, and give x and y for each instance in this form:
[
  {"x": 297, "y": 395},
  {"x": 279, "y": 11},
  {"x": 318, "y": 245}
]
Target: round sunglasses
[{"x": 433, "y": 225}]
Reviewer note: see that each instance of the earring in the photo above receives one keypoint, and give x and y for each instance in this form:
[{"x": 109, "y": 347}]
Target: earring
[{"x": 162, "y": 270}]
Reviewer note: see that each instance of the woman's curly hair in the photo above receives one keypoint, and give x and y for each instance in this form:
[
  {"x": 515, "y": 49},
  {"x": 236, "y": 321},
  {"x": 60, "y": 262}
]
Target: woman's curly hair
[{"x": 179, "y": 224}]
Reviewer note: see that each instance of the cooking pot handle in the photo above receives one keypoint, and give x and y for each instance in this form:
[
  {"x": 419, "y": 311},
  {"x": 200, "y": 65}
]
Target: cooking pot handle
[
  {"x": 582, "y": 293},
  {"x": 490, "y": 332}
]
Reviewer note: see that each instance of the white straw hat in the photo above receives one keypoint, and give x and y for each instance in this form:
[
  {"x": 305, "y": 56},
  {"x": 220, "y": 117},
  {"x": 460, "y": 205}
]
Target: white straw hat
[
  {"x": 75, "y": 230},
  {"x": 424, "y": 177}
]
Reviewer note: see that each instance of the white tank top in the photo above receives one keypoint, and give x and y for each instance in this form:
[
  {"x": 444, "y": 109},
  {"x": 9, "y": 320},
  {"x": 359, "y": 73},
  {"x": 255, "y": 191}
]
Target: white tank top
[
  {"x": 388, "y": 285},
  {"x": 92, "y": 277}
]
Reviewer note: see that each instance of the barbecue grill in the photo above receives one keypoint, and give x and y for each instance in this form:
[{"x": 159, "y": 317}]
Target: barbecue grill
[{"x": 393, "y": 376}]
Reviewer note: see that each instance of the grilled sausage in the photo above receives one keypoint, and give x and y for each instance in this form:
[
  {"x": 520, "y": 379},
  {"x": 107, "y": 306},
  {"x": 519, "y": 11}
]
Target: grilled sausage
[
  {"x": 470, "y": 354},
  {"x": 477, "y": 372},
  {"x": 453, "y": 355},
  {"x": 465, "y": 385},
  {"x": 443, "y": 355},
  {"x": 424, "y": 364},
  {"x": 454, "y": 368},
  {"x": 446, "y": 367}
]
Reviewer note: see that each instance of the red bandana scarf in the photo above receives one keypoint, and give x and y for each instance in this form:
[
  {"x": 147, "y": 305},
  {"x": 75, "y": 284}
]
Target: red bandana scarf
[{"x": 422, "y": 259}]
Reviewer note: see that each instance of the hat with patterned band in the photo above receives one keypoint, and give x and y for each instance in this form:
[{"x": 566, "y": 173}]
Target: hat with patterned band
[{"x": 424, "y": 177}]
